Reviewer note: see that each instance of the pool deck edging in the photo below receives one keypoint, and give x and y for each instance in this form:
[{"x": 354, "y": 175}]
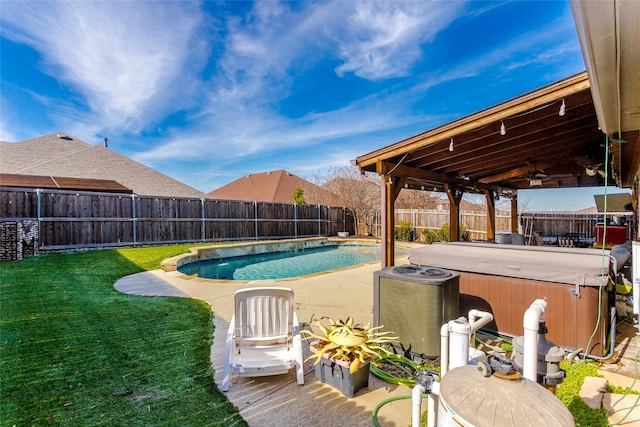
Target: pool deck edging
[{"x": 202, "y": 253}]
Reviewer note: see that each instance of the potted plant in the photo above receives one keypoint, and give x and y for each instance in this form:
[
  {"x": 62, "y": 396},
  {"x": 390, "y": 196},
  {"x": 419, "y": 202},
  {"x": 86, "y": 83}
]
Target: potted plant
[{"x": 343, "y": 351}]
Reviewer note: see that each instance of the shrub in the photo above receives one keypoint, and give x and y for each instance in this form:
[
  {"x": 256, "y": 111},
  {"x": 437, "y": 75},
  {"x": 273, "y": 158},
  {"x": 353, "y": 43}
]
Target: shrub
[
  {"x": 404, "y": 231},
  {"x": 441, "y": 235}
]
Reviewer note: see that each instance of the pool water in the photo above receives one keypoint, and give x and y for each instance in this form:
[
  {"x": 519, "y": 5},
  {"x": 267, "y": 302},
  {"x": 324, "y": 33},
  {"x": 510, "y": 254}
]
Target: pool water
[{"x": 280, "y": 265}]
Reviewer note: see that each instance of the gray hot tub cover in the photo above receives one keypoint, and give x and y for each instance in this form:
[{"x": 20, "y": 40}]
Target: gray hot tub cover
[{"x": 583, "y": 267}]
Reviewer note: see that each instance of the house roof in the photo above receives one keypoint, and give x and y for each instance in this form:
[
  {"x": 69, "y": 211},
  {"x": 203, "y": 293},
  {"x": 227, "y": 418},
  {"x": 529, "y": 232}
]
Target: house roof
[
  {"x": 61, "y": 183},
  {"x": 61, "y": 155},
  {"x": 539, "y": 143},
  {"x": 275, "y": 186}
]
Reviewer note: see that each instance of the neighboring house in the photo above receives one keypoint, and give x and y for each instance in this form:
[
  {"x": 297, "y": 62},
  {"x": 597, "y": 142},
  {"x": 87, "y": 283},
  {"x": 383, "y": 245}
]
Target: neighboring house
[
  {"x": 275, "y": 186},
  {"x": 62, "y": 183},
  {"x": 60, "y": 155}
]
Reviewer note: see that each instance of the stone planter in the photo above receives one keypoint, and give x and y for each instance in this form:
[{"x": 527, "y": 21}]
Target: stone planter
[{"x": 343, "y": 234}]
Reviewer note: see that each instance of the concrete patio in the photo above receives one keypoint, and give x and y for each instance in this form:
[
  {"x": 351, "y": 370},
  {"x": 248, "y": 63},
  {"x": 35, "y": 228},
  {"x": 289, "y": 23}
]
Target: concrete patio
[{"x": 279, "y": 400}]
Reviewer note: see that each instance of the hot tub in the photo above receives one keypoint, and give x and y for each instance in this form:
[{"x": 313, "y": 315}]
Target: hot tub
[{"x": 506, "y": 279}]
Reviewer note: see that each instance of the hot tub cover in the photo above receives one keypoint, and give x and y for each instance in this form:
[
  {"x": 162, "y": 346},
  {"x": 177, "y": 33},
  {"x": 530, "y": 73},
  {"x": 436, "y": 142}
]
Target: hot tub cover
[{"x": 584, "y": 267}]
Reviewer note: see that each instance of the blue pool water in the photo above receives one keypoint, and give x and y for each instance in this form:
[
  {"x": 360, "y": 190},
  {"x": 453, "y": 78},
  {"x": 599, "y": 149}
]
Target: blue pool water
[{"x": 280, "y": 265}]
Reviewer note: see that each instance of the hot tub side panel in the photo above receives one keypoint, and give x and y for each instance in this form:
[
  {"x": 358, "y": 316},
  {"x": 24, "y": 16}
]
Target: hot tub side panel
[{"x": 570, "y": 320}]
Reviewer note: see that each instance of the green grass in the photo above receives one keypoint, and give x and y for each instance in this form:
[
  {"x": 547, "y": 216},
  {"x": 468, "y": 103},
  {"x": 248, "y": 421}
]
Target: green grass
[{"x": 74, "y": 351}]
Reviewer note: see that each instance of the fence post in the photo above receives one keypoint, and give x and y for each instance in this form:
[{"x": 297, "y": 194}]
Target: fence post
[
  {"x": 39, "y": 215},
  {"x": 295, "y": 220},
  {"x": 319, "y": 222},
  {"x": 133, "y": 218},
  {"x": 344, "y": 220},
  {"x": 255, "y": 216},
  {"x": 204, "y": 231}
]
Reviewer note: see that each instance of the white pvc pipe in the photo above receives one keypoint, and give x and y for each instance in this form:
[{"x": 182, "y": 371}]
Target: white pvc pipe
[
  {"x": 432, "y": 407},
  {"x": 459, "y": 331},
  {"x": 531, "y": 322},
  {"x": 416, "y": 404},
  {"x": 444, "y": 349},
  {"x": 477, "y": 319}
]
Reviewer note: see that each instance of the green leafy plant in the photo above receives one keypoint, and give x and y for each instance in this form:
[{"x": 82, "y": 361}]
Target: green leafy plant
[
  {"x": 620, "y": 390},
  {"x": 404, "y": 231},
  {"x": 569, "y": 393},
  {"x": 506, "y": 346},
  {"x": 298, "y": 196},
  {"x": 430, "y": 236}
]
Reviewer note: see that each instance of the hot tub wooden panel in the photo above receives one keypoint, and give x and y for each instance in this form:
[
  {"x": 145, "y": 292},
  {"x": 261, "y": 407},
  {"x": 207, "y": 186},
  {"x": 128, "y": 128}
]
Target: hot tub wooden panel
[{"x": 570, "y": 320}]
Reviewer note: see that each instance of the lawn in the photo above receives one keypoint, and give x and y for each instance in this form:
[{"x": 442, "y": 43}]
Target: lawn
[{"x": 74, "y": 351}]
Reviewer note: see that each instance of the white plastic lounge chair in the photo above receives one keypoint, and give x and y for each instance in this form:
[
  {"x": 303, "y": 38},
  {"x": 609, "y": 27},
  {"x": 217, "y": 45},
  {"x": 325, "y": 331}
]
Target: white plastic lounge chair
[{"x": 264, "y": 335}]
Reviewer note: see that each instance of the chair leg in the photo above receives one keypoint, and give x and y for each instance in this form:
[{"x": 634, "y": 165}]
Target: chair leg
[
  {"x": 228, "y": 348},
  {"x": 297, "y": 350},
  {"x": 300, "y": 372}
]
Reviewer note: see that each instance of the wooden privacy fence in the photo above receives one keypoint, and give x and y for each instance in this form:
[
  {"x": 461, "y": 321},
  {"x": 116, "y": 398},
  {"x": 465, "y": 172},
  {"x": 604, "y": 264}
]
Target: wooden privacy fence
[
  {"x": 70, "y": 219},
  {"x": 475, "y": 222}
]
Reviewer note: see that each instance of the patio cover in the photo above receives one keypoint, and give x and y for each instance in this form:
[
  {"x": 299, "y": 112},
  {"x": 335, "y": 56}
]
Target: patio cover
[{"x": 582, "y": 131}]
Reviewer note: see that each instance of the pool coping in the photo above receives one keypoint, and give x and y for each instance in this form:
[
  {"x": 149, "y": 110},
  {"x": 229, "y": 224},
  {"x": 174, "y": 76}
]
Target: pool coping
[{"x": 219, "y": 251}]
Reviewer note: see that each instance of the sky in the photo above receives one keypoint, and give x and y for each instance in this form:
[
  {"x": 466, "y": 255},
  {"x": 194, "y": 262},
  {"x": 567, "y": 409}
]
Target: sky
[{"x": 210, "y": 91}]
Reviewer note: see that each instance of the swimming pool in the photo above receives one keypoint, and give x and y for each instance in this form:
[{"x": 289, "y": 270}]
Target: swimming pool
[{"x": 285, "y": 264}]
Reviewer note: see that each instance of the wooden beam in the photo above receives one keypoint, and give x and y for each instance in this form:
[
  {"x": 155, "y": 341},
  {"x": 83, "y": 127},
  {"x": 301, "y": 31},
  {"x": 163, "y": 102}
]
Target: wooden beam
[
  {"x": 514, "y": 173},
  {"x": 491, "y": 215},
  {"x": 402, "y": 170},
  {"x": 409, "y": 172},
  {"x": 455, "y": 196}
]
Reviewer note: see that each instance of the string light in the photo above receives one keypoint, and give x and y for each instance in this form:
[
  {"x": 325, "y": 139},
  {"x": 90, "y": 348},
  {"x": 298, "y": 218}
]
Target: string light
[
  {"x": 451, "y": 145},
  {"x": 503, "y": 130},
  {"x": 562, "y": 109}
]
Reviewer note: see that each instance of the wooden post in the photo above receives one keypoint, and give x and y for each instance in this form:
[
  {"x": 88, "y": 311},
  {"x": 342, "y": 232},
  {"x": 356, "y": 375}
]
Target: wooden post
[
  {"x": 455, "y": 196},
  {"x": 491, "y": 214},
  {"x": 389, "y": 193},
  {"x": 514, "y": 214}
]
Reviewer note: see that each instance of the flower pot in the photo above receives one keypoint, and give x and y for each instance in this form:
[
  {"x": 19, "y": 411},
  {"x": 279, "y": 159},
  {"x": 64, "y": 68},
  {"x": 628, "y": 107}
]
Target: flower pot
[
  {"x": 339, "y": 377},
  {"x": 336, "y": 373},
  {"x": 343, "y": 234}
]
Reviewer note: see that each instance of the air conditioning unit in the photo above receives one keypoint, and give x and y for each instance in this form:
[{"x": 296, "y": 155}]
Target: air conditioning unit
[{"x": 414, "y": 302}]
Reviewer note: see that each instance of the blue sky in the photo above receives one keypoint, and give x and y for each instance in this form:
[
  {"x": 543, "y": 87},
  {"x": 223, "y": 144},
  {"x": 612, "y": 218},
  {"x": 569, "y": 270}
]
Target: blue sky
[{"x": 207, "y": 92}]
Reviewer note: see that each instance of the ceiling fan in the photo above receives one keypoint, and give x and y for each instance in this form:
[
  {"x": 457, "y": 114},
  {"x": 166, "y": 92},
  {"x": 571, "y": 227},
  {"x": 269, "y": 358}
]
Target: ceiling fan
[
  {"x": 538, "y": 176},
  {"x": 591, "y": 166}
]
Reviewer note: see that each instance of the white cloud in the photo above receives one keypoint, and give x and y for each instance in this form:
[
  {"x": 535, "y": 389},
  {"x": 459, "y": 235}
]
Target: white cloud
[
  {"x": 120, "y": 56},
  {"x": 382, "y": 39},
  {"x": 5, "y": 134},
  {"x": 273, "y": 44}
]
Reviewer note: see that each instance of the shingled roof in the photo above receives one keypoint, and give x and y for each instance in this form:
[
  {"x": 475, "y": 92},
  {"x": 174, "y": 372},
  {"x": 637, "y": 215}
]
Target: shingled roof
[
  {"x": 62, "y": 183},
  {"x": 64, "y": 156},
  {"x": 275, "y": 186}
]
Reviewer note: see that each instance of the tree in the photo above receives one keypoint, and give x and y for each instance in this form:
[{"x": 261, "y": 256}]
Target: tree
[
  {"x": 416, "y": 199},
  {"x": 360, "y": 196},
  {"x": 298, "y": 196}
]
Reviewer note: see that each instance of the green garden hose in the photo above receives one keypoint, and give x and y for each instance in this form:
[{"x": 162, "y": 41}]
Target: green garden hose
[
  {"x": 374, "y": 414},
  {"x": 401, "y": 362}
]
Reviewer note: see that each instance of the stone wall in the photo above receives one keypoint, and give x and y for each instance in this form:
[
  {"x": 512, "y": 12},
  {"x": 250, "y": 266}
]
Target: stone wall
[{"x": 18, "y": 239}]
